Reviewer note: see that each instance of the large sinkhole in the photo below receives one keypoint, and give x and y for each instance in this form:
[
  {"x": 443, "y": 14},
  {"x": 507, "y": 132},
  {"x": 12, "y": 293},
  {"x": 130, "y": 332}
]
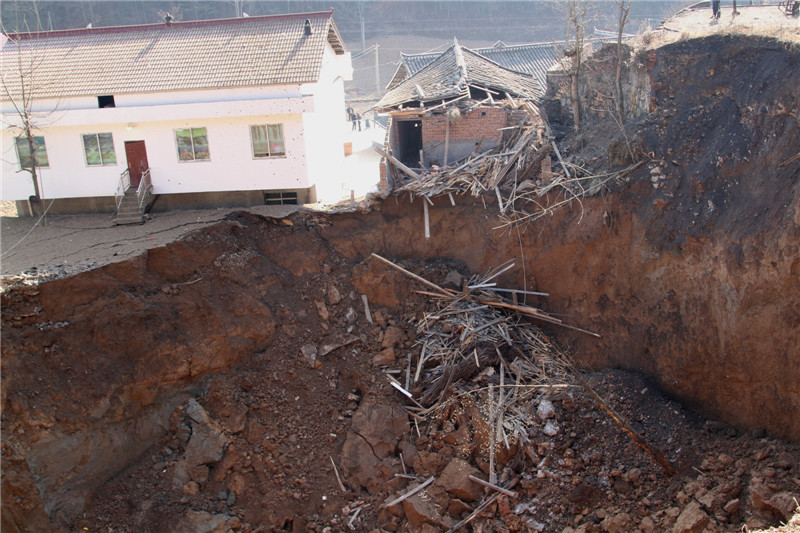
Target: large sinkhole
[
  {"x": 250, "y": 375},
  {"x": 241, "y": 379}
]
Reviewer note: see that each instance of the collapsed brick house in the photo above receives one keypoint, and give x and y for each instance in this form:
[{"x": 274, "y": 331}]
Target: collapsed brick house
[{"x": 461, "y": 104}]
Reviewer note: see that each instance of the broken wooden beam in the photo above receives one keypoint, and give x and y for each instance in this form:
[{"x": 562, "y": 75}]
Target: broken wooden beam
[
  {"x": 411, "y": 492},
  {"x": 396, "y": 162},
  {"x": 442, "y": 291}
]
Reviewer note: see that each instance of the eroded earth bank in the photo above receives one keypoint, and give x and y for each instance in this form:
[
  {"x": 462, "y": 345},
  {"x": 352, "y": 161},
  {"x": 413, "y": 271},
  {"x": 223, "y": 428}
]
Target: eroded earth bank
[{"x": 224, "y": 381}]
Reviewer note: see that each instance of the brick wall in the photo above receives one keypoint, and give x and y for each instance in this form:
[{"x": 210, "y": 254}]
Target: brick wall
[{"x": 480, "y": 123}]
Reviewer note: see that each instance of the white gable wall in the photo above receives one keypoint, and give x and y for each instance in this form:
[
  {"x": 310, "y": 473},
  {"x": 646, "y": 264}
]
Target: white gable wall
[{"x": 324, "y": 128}]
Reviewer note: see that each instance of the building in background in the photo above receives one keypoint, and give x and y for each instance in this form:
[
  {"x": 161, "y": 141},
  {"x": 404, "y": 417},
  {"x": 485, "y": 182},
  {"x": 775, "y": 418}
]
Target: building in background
[{"x": 213, "y": 113}]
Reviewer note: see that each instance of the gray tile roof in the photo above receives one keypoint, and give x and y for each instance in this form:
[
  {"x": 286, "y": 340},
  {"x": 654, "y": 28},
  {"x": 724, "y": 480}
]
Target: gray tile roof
[
  {"x": 534, "y": 58},
  {"x": 450, "y": 74},
  {"x": 251, "y": 51}
]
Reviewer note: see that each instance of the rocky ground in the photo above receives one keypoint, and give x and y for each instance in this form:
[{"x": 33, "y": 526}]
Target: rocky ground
[{"x": 256, "y": 452}]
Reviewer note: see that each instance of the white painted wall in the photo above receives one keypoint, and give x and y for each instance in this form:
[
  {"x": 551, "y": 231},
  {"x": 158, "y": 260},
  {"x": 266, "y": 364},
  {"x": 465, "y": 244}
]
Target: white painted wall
[
  {"x": 324, "y": 139},
  {"x": 312, "y": 116}
]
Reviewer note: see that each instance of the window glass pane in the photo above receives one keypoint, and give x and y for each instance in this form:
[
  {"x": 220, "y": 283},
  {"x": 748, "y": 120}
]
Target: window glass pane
[
  {"x": 41, "y": 152},
  {"x": 109, "y": 157},
  {"x": 200, "y": 143},
  {"x": 259, "y": 136},
  {"x": 184, "y": 139},
  {"x": 24, "y": 153},
  {"x": 91, "y": 150},
  {"x": 276, "y": 139}
]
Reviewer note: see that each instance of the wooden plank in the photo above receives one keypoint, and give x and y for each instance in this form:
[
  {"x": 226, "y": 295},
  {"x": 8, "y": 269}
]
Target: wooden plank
[
  {"x": 396, "y": 162},
  {"x": 411, "y": 492},
  {"x": 440, "y": 290}
]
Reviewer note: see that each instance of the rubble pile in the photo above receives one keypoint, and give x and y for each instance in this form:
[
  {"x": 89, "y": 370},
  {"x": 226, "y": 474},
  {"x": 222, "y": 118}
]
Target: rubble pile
[{"x": 519, "y": 171}]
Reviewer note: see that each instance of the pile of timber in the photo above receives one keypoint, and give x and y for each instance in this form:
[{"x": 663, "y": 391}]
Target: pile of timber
[
  {"x": 481, "y": 342},
  {"x": 512, "y": 171},
  {"x": 518, "y": 157}
]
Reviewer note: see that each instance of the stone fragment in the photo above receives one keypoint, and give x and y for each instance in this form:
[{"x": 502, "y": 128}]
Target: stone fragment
[
  {"x": 421, "y": 510},
  {"x": 550, "y": 428},
  {"x": 384, "y": 358},
  {"x": 334, "y": 297},
  {"x": 392, "y": 337},
  {"x": 691, "y": 520},
  {"x": 309, "y": 352},
  {"x": 545, "y": 410},
  {"x": 378, "y": 316},
  {"x": 191, "y": 488},
  {"x": 458, "y": 507},
  {"x": 453, "y": 280},
  {"x": 620, "y": 523},
  {"x": 203, "y": 522},
  {"x": 455, "y": 480},
  {"x": 770, "y": 504},
  {"x": 429, "y": 463},
  {"x": 714, "y": 499},
  {"x": 647, "y": 525},
  {"x": 351, "y": 316},
  {"x": 732, "y": 507},
  {"x": 234, "y": 417},
  {"x": 206, "y": 444},
  {"x": 381, "y": 426},
  {"x": 199, "y": 473},
  {"x": 367, "y": 458},
  {"x": 633, "y": 475},
  {"x": 322, "y": 310}
]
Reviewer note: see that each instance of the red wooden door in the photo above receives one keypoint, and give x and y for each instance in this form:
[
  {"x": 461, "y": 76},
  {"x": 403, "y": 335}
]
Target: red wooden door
[{"x": 137, "y": 160}]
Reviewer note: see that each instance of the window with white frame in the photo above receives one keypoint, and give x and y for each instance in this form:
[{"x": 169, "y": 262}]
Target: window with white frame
[
  {"x": 267, "y": 140},
  {"x": 98, "y": 148},
  {"x": 39, "y": 153},
  {"x": 192, "y": 144}
]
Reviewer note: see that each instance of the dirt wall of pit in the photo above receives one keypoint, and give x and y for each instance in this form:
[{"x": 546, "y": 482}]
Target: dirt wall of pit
[{"x": 690, "y": 271}]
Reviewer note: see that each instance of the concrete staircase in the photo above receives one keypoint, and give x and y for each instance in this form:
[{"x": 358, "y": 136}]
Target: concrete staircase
[{"x": 128, "y": 211}]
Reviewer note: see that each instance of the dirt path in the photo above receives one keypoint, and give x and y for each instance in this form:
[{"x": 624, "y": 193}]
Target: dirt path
[{"x": 73, "y": 243}]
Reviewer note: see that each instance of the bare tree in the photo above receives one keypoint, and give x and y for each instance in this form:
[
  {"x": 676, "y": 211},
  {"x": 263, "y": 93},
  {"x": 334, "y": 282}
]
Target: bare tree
[
  {"x": 574, "y": 13},
  {"x": 624, "y": 7},
  {"x": 20, "y": 85}
]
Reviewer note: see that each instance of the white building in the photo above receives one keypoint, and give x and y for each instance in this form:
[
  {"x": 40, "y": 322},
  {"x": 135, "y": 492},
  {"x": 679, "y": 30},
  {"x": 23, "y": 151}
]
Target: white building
[{"x": 221, "y": 112}]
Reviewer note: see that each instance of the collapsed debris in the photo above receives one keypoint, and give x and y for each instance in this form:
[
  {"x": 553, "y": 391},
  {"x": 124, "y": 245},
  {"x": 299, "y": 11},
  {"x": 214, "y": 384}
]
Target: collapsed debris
[
  {"x": 485, "y": 374},
  {"x": 465, "y": 125}
]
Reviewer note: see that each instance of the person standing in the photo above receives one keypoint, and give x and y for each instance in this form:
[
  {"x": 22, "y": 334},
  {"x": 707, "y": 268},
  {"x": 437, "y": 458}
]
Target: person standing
[{"x": 715, "y": 9}]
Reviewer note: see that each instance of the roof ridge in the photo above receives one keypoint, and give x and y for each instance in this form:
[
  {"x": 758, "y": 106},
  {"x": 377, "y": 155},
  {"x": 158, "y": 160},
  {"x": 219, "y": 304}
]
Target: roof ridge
[
  {"x": 495, "y": 63},
  {"x": 156, "y": 25}
]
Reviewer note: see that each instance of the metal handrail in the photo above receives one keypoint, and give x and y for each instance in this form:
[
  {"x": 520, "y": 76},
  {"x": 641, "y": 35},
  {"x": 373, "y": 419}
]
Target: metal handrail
[
  {"x": 122, "y": 186},
  {"x": 145, "y": 186}
]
